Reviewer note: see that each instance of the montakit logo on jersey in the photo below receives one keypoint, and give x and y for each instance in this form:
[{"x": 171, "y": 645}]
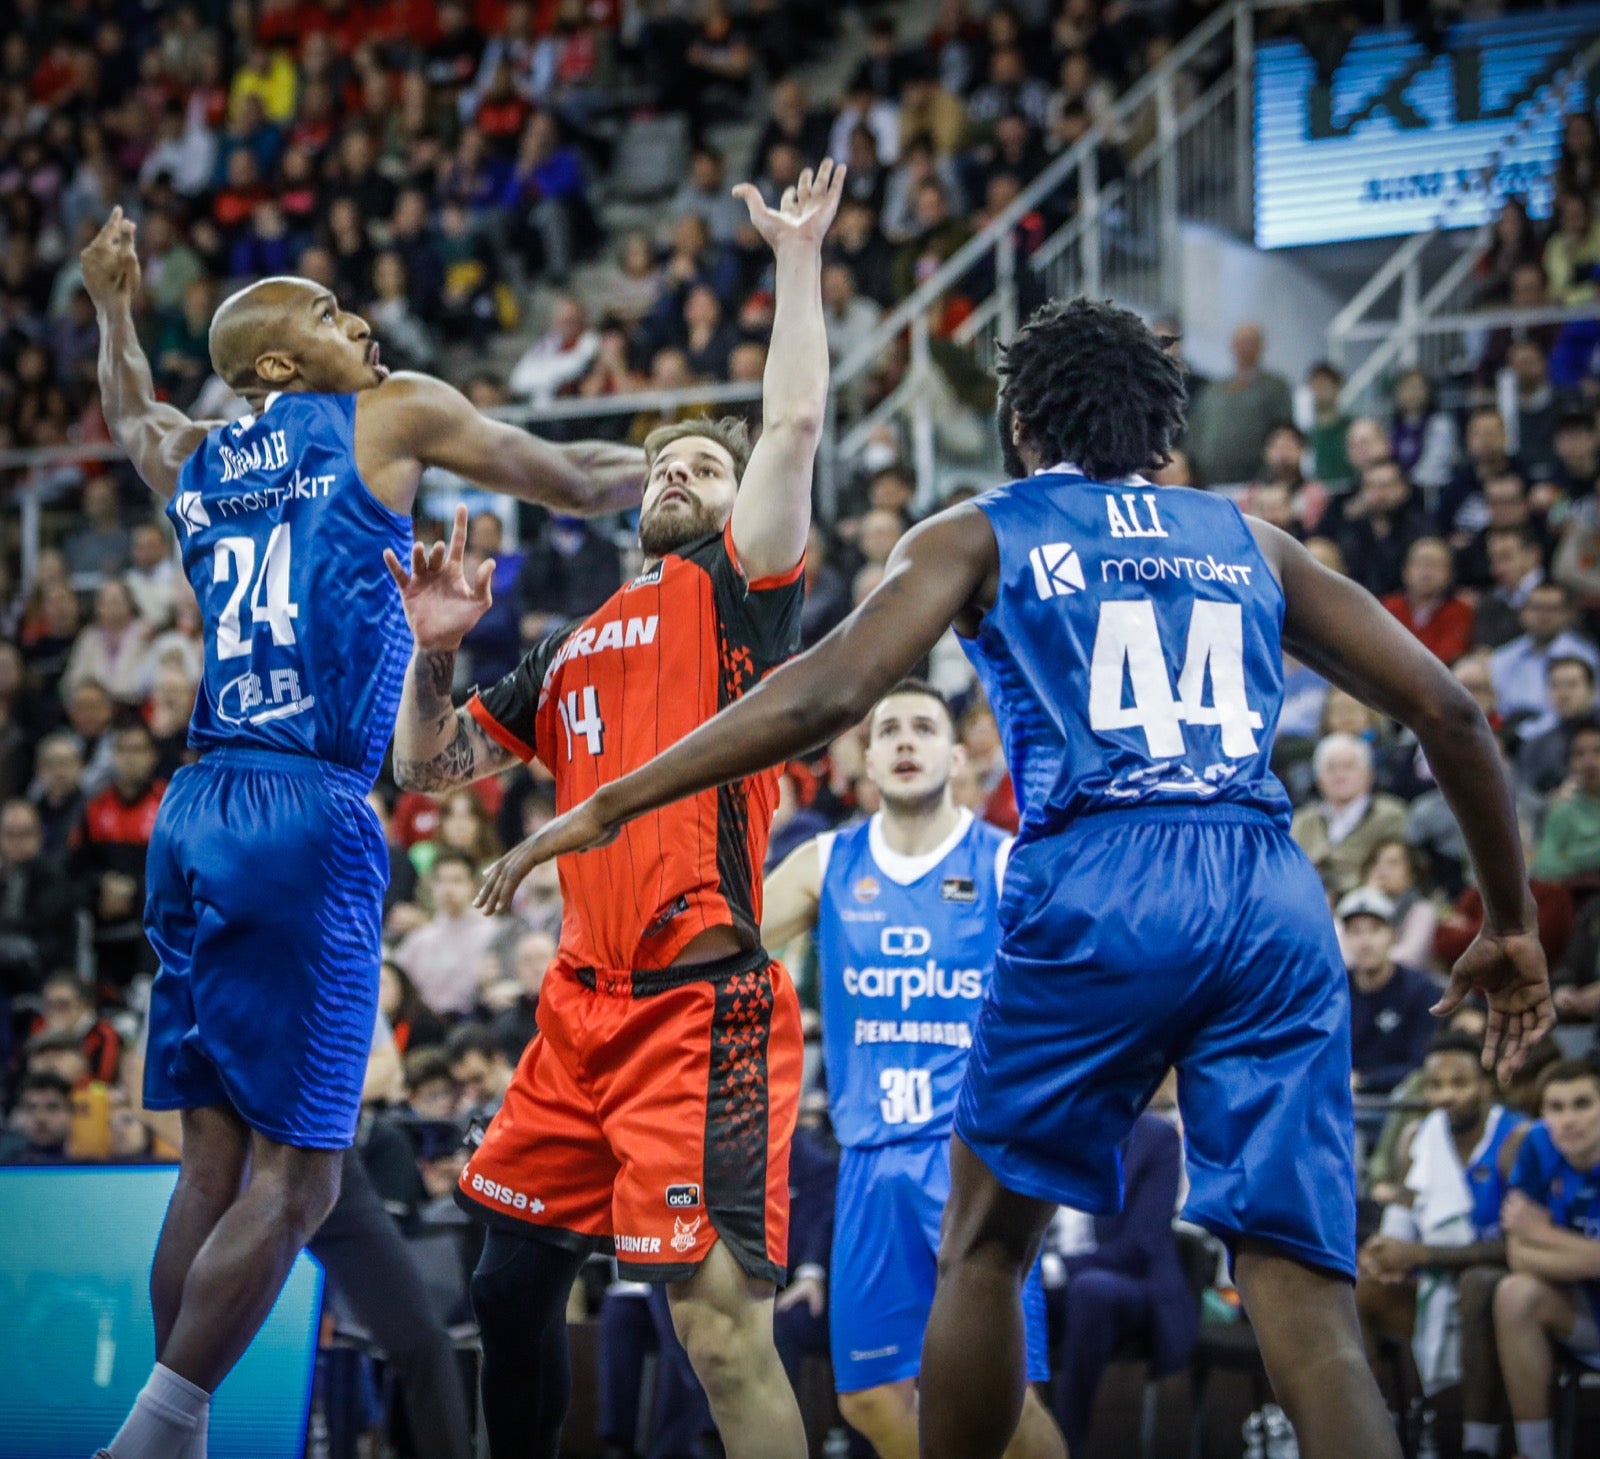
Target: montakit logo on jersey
[
  {"x": 1057, "y": 572},
  {"x": 1153, "y": 569},
  {"x": 191, "y": 512},
  {"x": 958, "y": 889}
]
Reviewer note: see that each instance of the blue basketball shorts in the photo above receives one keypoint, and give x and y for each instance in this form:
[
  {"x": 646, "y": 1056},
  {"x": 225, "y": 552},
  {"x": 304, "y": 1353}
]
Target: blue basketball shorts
[
  {"x": 1140, "y": 940},
  {"x": 885, "y": 1265},
  {"x": 265, "y": 905}
]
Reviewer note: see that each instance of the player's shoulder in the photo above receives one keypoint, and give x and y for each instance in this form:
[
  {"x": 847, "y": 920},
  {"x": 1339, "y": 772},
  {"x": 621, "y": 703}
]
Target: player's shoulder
[{"x": 987, "y": 834}]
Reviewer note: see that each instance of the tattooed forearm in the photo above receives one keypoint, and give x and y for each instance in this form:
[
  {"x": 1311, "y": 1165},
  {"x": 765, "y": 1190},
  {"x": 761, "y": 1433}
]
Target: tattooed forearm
[
  {"x": 469, "y": 756},
  {"x": 454, "y": 765},
  {"x": 435, "y": 673}
]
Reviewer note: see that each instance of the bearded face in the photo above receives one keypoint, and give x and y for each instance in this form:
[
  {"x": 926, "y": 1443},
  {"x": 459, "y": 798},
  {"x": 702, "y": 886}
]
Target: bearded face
[
  {"x": 689, "y": 495},
  {"x": 676, "y": 519}
]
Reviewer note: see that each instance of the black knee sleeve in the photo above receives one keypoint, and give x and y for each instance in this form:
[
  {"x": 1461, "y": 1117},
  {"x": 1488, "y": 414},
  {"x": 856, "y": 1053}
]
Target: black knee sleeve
[{"x": 519, "y": 1295}]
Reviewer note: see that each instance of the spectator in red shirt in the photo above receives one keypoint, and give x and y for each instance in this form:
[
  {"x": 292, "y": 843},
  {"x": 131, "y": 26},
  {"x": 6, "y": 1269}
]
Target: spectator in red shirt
[
  {"x": 67, "y": 1006},
  {"x": 109, "y": 855},
  {"x": 1437, "y": 616}
]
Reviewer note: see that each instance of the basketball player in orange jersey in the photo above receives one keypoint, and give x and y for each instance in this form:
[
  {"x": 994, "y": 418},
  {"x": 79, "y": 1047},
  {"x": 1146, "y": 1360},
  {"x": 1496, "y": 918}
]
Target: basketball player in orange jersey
[{"x": 652, "y": 1115}]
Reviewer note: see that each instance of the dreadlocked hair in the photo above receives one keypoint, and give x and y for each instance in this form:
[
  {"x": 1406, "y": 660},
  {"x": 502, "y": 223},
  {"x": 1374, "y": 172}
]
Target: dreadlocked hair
[{"x": 1091, "y": 384}]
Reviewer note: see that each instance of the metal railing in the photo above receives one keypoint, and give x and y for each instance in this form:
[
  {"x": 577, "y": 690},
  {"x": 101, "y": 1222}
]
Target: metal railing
[
  {"x": 1122, "y": 239},
  {"x": 1416, "y": 332}
]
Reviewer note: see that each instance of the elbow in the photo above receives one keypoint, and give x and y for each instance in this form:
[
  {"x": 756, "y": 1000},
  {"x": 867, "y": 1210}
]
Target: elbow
[
  {"x": 828, "y": 712},
  {"x": 1445, "y": 711},
  {"x": 801, "y": 426}
]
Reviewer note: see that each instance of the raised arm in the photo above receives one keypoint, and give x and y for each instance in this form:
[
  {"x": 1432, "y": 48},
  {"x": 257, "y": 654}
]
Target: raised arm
[
  {"x": 790, "y": 896},
  {"x": 437, "y": 746},
  {"x": 1343, "y": 633},
  {"x": 935, "y": 571},
  {"x": 413, "y": 421},
  {"x": 158, "y": 438},
  {"x": 772, "y": 513}
]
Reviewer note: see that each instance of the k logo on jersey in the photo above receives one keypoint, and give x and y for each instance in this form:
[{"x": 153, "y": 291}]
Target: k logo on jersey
[
  {"x": 191, "y": 512},
  {"x": 1057, "y": 572}
]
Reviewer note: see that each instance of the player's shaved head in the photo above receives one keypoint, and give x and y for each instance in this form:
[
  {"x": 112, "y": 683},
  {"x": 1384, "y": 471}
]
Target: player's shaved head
[
  {"x": 288, "y": 333},
  {"x": 251, "y": 323}
]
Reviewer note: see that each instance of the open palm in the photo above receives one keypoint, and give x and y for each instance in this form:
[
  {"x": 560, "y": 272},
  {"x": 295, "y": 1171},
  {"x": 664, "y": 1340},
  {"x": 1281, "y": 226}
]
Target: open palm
[
  {"x": 442, "y": 604},
  {"x": 806, "y": 211},
  {"x": 1509, "y": 971}
]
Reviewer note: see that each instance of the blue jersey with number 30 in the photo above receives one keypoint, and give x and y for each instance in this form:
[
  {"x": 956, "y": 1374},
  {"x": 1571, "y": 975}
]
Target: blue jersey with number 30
[
  {"x": 306, "y": 642},
  {"x": 905, "y": 949},
  {"x": 1133, "y": 655}
]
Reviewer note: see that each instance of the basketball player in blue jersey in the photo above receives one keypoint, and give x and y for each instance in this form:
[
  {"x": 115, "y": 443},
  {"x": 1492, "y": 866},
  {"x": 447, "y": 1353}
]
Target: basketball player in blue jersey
[
  {"x": 904, "y": 908},
  {"x": 1552, "y": 1225},
  {"x": 1456, "y": 1168},
  {"x": 1155, "y": 912},
  {"x": 267, "y": 867}
]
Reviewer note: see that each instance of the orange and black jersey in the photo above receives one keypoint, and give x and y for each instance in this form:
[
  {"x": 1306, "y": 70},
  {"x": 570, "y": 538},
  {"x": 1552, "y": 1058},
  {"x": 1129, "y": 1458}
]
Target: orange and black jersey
[{"x": 602, "y": 697}]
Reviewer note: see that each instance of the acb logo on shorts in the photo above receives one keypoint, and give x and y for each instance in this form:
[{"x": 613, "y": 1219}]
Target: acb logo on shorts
[{"x": 683, "y": 1197}]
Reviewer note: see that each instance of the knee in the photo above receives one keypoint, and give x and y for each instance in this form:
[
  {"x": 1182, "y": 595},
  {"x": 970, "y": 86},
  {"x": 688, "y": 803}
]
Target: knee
[
  {"x": 1519, "y": 1302},
  {"x": 497, "y": 1294},
  {"x": 724, "y": 1348},
  {"x": 298, "y": 1200},
  {"x": 964, "y": 1245},
  {"x": 873, "y": 1411}
]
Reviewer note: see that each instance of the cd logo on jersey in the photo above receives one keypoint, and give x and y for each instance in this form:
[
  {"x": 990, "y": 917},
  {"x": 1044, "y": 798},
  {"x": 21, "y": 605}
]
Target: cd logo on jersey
[
  {"x": 683, "y": 1197},
  {"x": 1057, "y": 572},
  {"x": 905, "y": 941},
  {"x": 685, "y": 1233},
  {"x": 867, "y": 889},
  {"x": 191, "y": 511}
]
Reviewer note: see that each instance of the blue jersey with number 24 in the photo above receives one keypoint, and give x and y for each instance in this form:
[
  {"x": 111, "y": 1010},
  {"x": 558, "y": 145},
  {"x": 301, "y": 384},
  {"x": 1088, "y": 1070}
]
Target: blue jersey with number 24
[
  {"x": 1133, "y": 653},
  {"x": 306, "y": 642}
]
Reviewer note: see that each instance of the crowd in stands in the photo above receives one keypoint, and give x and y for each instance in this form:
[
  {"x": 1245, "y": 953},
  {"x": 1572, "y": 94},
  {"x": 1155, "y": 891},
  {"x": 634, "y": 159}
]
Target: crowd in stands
[{"x": 432, "y": 163}]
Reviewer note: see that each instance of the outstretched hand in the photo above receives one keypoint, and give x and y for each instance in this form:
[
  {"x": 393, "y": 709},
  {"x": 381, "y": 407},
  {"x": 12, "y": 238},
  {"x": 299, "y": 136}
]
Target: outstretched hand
[
  {"x": 1509, "y": 970},
  {"x": 806, "y": 211},
  {"x": 582, "y": 828},
  {"x": 442, "y": 604},
  {"x": 110, "y": 264}
]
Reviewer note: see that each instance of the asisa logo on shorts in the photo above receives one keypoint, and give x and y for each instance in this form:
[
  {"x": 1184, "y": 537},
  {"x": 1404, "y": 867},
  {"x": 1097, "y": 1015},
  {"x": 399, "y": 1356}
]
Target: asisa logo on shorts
[
  {"x": 685, "y": 1233},
  {"x": 683, "y": 1197}
]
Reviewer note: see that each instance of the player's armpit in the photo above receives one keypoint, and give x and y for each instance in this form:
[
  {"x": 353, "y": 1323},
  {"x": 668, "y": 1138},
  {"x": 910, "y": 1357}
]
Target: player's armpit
[
  {"x": 469, "y": 755},
  {"x": 158, "y": 442}
]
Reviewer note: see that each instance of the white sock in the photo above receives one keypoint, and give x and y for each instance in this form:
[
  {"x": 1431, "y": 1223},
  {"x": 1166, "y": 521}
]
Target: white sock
[
  {"x": 1481, "y": 1438},
  {"x": 1533, "y": 1439},
  {"x": 169, "y": 1419}
]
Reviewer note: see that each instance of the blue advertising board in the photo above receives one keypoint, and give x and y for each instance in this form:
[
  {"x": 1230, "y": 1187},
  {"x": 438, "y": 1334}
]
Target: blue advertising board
[
  {"x": 1399, "y": 140},
  {"x": 76, "y": 1340}
]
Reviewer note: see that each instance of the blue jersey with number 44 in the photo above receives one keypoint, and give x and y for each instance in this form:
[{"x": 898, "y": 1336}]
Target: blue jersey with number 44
[
  {"x": 1133, "y": 655},
  {"x": 306, "y": 642}
]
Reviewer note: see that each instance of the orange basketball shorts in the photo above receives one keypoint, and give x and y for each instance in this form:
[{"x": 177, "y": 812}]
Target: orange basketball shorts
[{"x": 651, "y": 1118}]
